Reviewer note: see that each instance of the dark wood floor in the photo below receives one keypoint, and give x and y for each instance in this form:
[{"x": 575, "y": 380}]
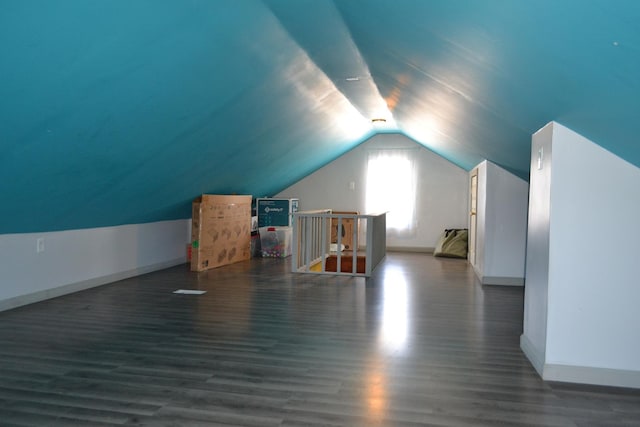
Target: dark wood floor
[{"x": 419, "y": 343}]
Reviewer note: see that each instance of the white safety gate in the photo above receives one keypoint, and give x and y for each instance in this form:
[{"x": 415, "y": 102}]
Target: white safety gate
[{"x": 313, "y": 251}]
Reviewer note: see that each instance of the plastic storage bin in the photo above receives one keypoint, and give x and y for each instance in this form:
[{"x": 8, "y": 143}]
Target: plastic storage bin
[{"x": 276, "y": 241}]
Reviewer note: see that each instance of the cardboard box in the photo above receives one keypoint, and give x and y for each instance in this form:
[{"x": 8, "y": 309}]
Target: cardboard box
[
  {"x": 347, "y": 230},
  {"x": 220, "y": 231},
  {"x": 276, "y": 212}
]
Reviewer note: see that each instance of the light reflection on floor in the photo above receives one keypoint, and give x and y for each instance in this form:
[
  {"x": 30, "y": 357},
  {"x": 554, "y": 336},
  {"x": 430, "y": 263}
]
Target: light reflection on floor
[
  {"x": 377, "y": 399},
  {"x": 392, "y": 341},
  {"x": 395, "y": 305}
]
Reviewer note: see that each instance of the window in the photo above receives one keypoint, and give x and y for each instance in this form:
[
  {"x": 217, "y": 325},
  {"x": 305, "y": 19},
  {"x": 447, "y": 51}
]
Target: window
[{"x": 391, "y": 187}]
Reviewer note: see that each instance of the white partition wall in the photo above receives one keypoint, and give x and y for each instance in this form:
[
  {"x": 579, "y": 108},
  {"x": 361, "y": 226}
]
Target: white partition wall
[
  {"x": 534, "y": 337},
  {"x": 501, "y": 232},
  {"x": 582, "y": 280}
]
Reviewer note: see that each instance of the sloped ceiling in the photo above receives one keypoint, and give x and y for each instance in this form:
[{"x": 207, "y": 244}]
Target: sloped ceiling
[{"x": 116, "y": 112}]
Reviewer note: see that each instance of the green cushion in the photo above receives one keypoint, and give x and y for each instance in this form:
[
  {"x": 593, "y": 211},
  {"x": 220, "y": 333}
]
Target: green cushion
[{"x": 452, "y": 243}]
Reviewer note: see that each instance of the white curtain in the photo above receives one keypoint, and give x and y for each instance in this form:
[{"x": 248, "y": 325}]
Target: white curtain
[{"x": 391, "y": 188}]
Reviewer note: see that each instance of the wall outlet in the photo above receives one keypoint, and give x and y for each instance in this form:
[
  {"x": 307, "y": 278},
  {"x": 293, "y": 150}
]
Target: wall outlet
[
  {"x": 40, "y": 245},
  {"x": 352, "y": 185}
]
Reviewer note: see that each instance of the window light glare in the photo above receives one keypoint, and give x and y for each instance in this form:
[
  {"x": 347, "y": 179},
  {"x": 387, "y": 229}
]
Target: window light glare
[{"x": 390, "y": 187}]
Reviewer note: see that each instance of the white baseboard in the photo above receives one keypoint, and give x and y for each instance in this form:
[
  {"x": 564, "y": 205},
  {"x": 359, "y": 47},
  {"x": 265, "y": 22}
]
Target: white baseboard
[
  {"x": 497, "y": 280},
  {"x": 503, "y": 281},
  {"x": 577, "y": 374},
  {"x": 591, "y": 375},
  {"x": 34, "y": 297},
  {"x": 535, "y": 356}
]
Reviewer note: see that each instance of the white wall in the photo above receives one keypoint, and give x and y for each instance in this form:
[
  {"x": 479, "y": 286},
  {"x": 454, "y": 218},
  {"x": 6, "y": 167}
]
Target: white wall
[
  {"x": 442, "y": 190},
  {"x": 593, "y": 285},
  {"x": 78, "y": 259},
  {"x": 534, "y": 337},
  {"x": 501, "y": 226},
  {"x": 481, "y": 215}
]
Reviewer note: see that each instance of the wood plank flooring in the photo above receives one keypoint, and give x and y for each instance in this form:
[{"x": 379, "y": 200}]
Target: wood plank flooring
[{"x": 420, "y": 343}]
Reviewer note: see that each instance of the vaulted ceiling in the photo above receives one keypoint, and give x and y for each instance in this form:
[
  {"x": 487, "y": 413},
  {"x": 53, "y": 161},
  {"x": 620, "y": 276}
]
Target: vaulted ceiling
[{"x": 116, "y": 112}]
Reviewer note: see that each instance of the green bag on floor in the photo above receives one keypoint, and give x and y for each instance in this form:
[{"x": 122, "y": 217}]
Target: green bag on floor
[{"x": 452, "y": 243}]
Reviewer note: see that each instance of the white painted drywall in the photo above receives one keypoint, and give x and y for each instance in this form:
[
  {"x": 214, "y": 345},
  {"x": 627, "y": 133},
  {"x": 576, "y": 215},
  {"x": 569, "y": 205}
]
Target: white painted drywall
[
  {"x": 582, "y": 284},
  {"x": 442, "y": 197},
  {"x": 501, "y": 235},
  {"x": 594, "y": 285},
  {"x": 481, "y": 219},
  {"x": 78, "y": 259},
  {"x": 534, "y": 335},
  {"x": 507, "y": 205}
]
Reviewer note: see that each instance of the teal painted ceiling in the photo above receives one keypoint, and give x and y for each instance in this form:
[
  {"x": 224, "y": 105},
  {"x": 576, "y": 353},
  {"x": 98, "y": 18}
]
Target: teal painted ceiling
[{"x": 119, "y": 112}]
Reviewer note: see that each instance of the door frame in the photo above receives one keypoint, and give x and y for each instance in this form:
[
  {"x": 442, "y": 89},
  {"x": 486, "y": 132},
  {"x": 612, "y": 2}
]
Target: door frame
[{"x": 473, "y": 215}]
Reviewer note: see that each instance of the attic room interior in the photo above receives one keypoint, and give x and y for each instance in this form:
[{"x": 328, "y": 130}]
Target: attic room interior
[{"x": 514, "y": 120}]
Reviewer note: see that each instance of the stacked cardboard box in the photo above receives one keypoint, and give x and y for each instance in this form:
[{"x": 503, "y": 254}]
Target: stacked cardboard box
[{"x": 220, "y": 231}]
